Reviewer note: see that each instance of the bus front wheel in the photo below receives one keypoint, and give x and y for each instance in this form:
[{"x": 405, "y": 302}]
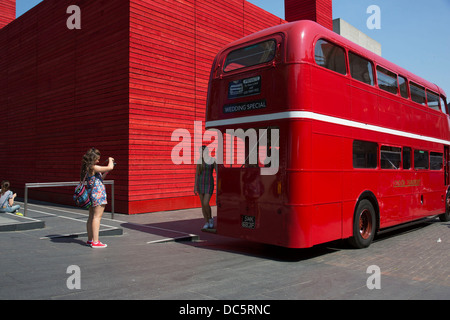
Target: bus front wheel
[{"x": 364, "y": 225}]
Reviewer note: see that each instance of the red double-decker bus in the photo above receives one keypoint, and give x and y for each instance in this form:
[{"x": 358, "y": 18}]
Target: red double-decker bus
[{"x": 363, "y": 144}]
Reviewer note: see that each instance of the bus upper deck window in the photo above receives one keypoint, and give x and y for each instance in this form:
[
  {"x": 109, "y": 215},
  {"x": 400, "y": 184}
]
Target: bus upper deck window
[
  {"x": 251, "y": 55},
  {"x": 417, "y": 93},
  {"x": 361, "y": 69},
  {"x": 330, "y": 56},
  {"x": 387, "y": 80},
  {"x": 433, "y": 100}
]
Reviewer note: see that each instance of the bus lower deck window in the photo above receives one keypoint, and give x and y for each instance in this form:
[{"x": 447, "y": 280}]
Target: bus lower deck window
[
  {"x": 390, "y": 157},
  {"x": 436, "y": 161},
  {"x": 365, "y": 154},
  {"x": 421, "y": 160}
]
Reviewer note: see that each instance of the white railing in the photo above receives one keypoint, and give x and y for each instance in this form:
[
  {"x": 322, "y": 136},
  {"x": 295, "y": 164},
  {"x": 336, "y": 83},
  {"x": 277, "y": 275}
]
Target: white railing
[{"x": 64, "y": 184}]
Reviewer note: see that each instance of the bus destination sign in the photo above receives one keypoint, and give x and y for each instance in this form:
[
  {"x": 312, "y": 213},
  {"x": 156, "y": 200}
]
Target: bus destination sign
[{"x": 244, "y": 106}]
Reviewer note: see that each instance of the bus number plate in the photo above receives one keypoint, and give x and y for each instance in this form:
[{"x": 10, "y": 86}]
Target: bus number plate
[{"x": 248, "y": 222}]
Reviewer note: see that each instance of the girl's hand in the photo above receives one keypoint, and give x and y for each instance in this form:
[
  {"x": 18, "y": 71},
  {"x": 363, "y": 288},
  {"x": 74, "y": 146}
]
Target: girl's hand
[{"x": 111, "y": 163}]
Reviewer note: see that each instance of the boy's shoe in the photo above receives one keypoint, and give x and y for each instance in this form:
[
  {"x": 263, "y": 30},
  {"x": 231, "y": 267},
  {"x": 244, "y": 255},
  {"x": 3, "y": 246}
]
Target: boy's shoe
[
  {"x": 98, "y": 244},
  {"x": 211, "y": 223},
  {"x": 89, "y": 242},
  {"x": 19, "y": 214}
]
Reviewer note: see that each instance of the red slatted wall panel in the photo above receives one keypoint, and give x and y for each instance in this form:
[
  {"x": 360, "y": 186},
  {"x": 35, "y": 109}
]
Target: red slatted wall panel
[
  {"x": 63, "y": 91},
  {"x": 315, "y": 10},
  {"x": 7, "y": 12},
  {"x": 325, "y": 13},
  {"x": 173, "y": 44}
]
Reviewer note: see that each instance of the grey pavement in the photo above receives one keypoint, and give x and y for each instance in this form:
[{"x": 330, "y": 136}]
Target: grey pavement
[{"x": 164, "y": 255}]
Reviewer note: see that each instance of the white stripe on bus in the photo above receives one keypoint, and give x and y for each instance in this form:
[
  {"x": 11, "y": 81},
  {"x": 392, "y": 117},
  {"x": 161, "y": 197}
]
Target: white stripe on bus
[{"x": 323, "y": 118}]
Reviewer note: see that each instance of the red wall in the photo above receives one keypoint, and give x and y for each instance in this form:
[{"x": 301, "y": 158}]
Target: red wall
[
  {"x": 320, "y": 11},
  {"x": 63, "y": 91},
  {"x": 7, "y": 12}
]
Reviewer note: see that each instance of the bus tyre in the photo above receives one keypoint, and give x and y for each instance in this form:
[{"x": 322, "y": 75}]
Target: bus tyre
[
  {"x": 445, "y": 217},
  {"x": 364, "y": 225}
]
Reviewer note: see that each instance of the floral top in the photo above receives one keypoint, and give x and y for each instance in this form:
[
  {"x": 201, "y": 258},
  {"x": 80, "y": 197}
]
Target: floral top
[{"x": 96, "y": 189}]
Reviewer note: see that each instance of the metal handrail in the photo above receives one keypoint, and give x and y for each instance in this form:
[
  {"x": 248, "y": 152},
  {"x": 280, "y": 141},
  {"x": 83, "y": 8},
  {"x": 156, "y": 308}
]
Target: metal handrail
[{"x": 64, "y": 184}]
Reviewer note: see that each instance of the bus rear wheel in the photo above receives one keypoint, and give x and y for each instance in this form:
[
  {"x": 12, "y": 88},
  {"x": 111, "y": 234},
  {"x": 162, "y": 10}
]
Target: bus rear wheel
[
  {"x": 445, "y": 217},
  {"x": 364, "y": 225}
]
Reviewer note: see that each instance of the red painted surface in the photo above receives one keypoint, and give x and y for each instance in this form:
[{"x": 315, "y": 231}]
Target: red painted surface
[
  {"x": 320, "y": 11},
  {"x": 63, "y": 91},
  {"x": 136, "y": 71},
  {"x": 312, "y": 198},
  {"x": 7, "y": 12}
]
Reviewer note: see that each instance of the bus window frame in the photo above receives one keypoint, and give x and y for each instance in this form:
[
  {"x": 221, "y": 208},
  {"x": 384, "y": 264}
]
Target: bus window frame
[
  {"x": 387, "y": 73},
  {"x": 421, "y": 87},
  {"x": 432, "y": 93},
  {"x": 435, "y": 154},
  {"x": 347, "y": 68},
  {"x": 372, "y": 64},
  {"x": 278, "y": 58},
  {"x": 400, "y": 154},
  {"x": 415, "y": 162},
  {"x": 364, "y": 145}
]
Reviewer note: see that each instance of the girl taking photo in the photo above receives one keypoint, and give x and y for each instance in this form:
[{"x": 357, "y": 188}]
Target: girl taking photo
[{"x": 94, "y": 175}]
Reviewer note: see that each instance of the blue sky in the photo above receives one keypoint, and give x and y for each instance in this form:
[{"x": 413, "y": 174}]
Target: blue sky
[{"x": 414, "y": 34}]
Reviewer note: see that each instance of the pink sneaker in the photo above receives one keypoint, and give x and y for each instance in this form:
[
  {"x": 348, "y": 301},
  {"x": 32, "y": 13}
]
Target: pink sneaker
[{"x": 98, "y": 244}]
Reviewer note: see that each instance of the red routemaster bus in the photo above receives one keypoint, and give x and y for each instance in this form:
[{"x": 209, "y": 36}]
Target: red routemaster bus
[{"x": 363, "y": 144}]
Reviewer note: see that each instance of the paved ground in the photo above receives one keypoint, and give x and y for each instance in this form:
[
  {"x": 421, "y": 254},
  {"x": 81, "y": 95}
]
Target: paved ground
[{"x": 143, "y": 261}]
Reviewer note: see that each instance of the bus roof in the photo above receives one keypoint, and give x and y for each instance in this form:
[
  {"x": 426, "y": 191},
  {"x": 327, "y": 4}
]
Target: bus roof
[{"x": 310, "y": 32}]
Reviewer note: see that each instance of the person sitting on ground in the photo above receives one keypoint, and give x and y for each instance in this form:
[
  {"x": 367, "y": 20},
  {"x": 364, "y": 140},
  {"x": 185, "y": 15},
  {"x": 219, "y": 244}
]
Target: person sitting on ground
[{"x": 7, "y": 199}]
